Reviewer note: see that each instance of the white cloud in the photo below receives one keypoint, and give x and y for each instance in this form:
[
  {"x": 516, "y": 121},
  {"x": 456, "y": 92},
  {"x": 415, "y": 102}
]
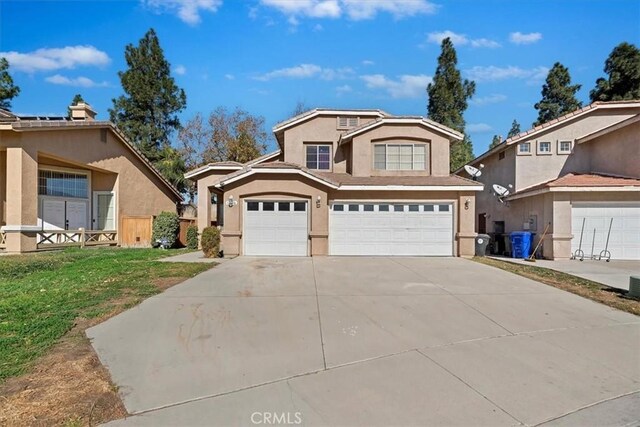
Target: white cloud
[
  {"x": 81, "y": 81},
  {"x": 180, "y": 70},
  {"x": 318, "y": 27},
  {"x": 437, "y": 37},
  {"x": 488, "y": 43},
  {"x": 305, "y": 71},
  {"x": 359, "y": 10},
  {"x": 490, "y": 99},
  {"x": 493, "y": 73},
  {"x": 478, "y": 128},
  {"x": 354, "y": 9},
  {"x": 406, "y": 86},
  {"x": 521, "y": 38},
  {"x": 49, "y": 59},
  {"x": 341, "y": 90},
  {"x": 367, "y": 62},
  {"x": 458, "y": 39},
  {"x": 187, "y": 10},
  {"x": 229, "y": 77}
]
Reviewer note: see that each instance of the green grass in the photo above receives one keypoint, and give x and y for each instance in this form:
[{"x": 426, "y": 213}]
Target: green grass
[{"x": 42, "y": 294}]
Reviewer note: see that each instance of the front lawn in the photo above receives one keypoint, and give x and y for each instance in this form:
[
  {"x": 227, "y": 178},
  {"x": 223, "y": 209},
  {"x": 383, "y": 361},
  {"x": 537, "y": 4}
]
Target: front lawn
[{"x": 42, "y": 295}]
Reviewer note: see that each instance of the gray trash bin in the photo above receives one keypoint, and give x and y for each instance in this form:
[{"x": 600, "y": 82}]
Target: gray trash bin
[{"x": 482, "y": 241}]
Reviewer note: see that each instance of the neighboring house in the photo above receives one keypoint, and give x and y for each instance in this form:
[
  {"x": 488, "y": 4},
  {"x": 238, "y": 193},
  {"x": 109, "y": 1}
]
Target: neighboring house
[
  {"x": 344, "y": 182},
  {"x": 582, "y": 167},
  {"x": 59, "y": 173}
]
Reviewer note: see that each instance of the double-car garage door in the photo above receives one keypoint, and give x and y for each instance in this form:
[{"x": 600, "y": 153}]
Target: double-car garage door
[
  {"x": 622, "y": 218},
  {"x": 281, "y": 228},
  {"x": 402, "y": 229}
]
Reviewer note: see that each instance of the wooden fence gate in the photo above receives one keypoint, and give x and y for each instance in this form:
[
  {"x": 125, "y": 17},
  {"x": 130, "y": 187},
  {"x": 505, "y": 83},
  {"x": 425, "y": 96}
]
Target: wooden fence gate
[{"x": 136, "y": 231}]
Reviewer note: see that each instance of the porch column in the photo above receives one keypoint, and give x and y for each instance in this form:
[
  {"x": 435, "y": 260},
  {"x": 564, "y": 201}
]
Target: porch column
[
  {"x": 204, "y": 206},
  {"x": 22, "y": 199},
  {"x": 466, "y": 224},
  {"x": 561, "y": 226}
]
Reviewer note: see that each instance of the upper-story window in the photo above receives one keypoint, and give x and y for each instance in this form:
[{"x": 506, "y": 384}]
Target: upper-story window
[
  {"x": 524, "y": 148},
  {"x": 400, "y": 156},
  {"x": 348, "y": 122},
  {"x": 544, "y": 147},
  {"x": 564, "y": 147},
  {"x": 319, "y": 156}
]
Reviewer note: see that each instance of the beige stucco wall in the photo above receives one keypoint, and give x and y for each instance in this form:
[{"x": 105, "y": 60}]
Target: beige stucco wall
[
  {"x": 320, "y": 129},
  {"x": 616, "y": 153},
  {"x": 437, "y": 149},
  {"x": 285, "y": 187},
  {"x": 533, "y": 169},
  {"x": 207, "y": 212},
  {"x": 138, "y": 190},
  {"x": 3, "y": 187}
]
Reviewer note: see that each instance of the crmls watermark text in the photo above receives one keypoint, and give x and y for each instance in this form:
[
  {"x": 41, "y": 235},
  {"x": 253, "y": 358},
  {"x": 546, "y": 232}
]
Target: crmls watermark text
[{"x": 276, "y": 418}]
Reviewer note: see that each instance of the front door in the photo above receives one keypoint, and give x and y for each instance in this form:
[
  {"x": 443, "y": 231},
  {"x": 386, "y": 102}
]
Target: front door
[
  {"x": 104, "y": 211},
  {"x": 76, "y": 215}
]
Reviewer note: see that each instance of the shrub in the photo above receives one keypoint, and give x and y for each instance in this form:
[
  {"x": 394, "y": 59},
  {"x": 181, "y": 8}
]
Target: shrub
[
  {"x": 165, "y": 229},
  {"x": 192, "y": 237},
  {"x": 210, "y": 241}
]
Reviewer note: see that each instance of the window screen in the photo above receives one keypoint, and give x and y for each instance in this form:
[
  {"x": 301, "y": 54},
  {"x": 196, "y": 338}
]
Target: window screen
[{"x": 318, "y": 157}]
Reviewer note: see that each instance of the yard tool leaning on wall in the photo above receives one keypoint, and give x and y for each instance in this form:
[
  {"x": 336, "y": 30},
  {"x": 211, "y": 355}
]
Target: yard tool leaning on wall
[{"x": 533, "y": 253}]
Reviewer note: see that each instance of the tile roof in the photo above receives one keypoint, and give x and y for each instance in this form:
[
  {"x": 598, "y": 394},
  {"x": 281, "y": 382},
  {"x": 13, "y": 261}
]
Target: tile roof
[
  {"x": 317, "y": 111},
  {"x": 347, "y": 179},
  {"x": 582, "y": 180},
  {"x": 400, "y": 119},
  {"x": 264, "y": 157}
]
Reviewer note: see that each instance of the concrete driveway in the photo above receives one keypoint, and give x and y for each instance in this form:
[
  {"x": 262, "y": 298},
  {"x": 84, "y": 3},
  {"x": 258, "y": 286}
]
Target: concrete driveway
[{"x": 371, "y": 341}]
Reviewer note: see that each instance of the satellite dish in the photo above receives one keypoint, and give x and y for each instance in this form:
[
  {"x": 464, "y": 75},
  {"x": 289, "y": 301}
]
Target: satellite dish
[
  {"x": 500, "y": 190},
  {"x": 474, "y": 172}
]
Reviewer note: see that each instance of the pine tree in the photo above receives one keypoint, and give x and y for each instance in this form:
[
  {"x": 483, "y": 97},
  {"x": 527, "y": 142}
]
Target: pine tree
[
  {"x": 558, "y": 95},
  {"x": 147, "y": 112},
  {"x": 497, "y": 139},
  {"x": 515, "y": 129},
  {"x": 8, "y": 90},
  {"x": 448, "y": 100},
  {"x": 623, "y": 82}
]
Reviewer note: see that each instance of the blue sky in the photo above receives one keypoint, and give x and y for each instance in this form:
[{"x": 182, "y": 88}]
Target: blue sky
[{"x": 266, "y": 55}]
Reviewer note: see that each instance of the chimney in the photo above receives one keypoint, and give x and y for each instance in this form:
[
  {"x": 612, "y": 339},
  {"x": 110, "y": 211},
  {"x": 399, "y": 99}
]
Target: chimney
[{"x": 82, "y": 111}]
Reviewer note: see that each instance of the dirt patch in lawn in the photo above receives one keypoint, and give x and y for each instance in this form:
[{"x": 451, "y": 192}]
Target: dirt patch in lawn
[
  {"x": 68, "y": 386},
  {"x": 595, "y": 291}
]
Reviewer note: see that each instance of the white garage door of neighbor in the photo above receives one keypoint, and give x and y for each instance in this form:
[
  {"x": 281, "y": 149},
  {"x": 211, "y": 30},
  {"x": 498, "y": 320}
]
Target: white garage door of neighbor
[
  {"x": 369, "y": 228},
  {"x": 624, "y": 242},
  {"x": 275, "y": 228}
]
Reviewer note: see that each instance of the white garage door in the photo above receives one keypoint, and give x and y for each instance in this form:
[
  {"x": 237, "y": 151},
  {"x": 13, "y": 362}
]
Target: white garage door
[
  {"x": 391, "y": 229},
  {"x": 624, "y": 242},
  {"x": 275, "y": 228}
]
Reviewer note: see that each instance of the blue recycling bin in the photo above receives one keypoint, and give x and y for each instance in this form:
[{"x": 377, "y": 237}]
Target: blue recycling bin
[{"x": 520, "y": 244}]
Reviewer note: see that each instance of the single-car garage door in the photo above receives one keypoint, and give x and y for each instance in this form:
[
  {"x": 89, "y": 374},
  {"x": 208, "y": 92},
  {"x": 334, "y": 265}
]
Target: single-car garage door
[
  {"x": 391, "y": 229},
  {"x": 624, "y": 242},
  {"x": 275, "y": 228}
]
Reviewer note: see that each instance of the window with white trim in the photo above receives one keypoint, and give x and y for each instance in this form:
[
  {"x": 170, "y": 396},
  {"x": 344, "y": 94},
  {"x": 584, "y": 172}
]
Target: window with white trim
[
  {"x": 524, "y": 148},
  {"x": 564, "y": 147},
  {"x": 544, "y": 147},
  {"x": 63, "y": 184},
  {"x": 400, "y": 156},
  {"x": 348, "y": 122},
  {"x": 318, "y": 156}
]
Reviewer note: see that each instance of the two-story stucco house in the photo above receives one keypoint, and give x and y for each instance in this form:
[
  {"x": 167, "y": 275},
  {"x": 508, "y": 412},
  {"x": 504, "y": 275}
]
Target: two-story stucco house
[
  {"x": 582, "y": 168},
  {"x": 75, "y": 180},
  {"x": 344, "y": 182}
]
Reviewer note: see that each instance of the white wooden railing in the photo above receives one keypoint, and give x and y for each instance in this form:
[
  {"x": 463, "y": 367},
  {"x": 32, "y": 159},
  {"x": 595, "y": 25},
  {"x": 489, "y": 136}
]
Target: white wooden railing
[
  {"x": 81, "y": 238},
  {"x": 3, "y": 240}
]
